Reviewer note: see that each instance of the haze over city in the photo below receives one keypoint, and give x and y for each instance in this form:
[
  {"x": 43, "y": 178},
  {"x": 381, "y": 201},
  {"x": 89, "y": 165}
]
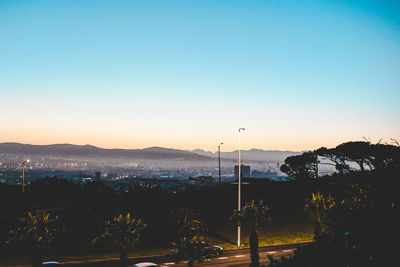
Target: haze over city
[{"x": 187, "y": 75}]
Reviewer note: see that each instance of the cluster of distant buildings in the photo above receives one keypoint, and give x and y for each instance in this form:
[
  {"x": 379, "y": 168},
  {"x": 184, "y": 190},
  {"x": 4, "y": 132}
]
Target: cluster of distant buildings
[
  {"x": 246, "y": 173},
  {"x": 11, "y": 173}
]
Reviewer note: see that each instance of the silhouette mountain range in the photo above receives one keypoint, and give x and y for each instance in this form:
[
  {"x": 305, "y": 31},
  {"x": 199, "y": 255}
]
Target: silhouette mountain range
[
  {"x": 151, "y": 153},
  {"x": 93, "y": 151}
]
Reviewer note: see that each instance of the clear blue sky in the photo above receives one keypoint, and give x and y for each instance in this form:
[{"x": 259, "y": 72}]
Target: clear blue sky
[{"x": 186, "y": 74}]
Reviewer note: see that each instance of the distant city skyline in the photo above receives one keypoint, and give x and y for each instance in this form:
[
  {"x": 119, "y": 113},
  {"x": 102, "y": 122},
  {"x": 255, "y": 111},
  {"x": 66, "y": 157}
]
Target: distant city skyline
[{"x": 187, "y": 74}]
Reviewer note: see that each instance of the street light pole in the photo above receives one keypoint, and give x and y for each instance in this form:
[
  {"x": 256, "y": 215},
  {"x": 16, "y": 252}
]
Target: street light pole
[
  {"x": 219, "y": 163},
  {"x": 23, "y": 174},
  {"x": 239, "y": 190}
]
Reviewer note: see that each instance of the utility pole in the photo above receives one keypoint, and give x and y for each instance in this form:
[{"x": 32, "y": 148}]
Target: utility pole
[
  {"x": 219, "y": 163},
  {"x": 239, "y": 190}
]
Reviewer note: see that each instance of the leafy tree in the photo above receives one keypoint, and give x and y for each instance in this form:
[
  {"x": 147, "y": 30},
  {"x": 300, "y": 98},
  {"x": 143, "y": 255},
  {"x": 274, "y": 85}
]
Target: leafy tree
[
  {"x": 358, "y": 198},
  {"x": 318, "y": 208},
  {"x": 36, "y": 231},
  {"x": 301, "y": 166},
  {"x": 121, "y": 231},
  {"x": 384, "y": 156},
  {"x": 253, "y": 213},
  {"x": 358, "y": 152},
  {"x": 190, "y": 236},
  {"x": 333, "y": 155},
  {"x": 363, "y": 153}
]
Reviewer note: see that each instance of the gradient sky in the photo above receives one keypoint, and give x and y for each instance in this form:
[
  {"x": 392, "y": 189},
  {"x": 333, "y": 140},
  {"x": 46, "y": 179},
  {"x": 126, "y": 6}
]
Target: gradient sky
[{"x": 187, "y": 74}]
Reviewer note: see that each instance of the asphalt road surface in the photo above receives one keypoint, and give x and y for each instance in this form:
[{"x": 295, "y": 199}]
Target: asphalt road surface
[
  {"x": 234, "y": 258},
  {"x": 239, "y": 258}
]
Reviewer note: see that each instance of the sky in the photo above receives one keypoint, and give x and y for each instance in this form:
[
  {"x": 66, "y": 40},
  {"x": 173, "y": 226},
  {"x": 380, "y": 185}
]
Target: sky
[{"x": 297, "y": 75}]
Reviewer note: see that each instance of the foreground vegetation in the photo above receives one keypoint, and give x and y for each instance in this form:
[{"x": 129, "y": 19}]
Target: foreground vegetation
[
  {"x": 352, "y": 215},
  {"x": 81, "y": 223}
]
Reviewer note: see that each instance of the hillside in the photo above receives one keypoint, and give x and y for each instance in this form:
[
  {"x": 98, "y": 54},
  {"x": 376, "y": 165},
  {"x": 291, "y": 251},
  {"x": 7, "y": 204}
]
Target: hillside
[{"x": 68, "y": 150}]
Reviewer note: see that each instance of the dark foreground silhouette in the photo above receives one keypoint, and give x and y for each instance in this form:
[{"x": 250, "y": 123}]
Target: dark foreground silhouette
[{"x": 355, "y": 212}]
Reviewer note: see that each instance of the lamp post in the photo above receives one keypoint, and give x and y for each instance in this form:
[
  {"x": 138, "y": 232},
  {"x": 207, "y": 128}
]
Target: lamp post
[
  {"x": 239, "y": 190},
  {"x": 219, "y": 163},
  {"x": 23, "y": 174}
]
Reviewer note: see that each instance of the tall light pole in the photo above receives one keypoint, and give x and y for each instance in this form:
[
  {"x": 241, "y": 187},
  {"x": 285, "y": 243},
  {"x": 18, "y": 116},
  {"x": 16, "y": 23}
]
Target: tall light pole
[
  {"x": 219, "y": 163},
  {"x": 23, "y": 174},
  {"x": 239, "y": 190}
]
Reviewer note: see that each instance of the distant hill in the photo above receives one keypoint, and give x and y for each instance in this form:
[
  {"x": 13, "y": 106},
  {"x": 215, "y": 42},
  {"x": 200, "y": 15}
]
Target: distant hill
[
  {"x": 69, "y": 150},
  {"x": 251, "y": 155},
  {"x": 151, "y": 153}
]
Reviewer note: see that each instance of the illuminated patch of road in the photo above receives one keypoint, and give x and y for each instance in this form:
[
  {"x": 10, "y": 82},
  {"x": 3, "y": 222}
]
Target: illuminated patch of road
[{"x": 240, "y": 256}]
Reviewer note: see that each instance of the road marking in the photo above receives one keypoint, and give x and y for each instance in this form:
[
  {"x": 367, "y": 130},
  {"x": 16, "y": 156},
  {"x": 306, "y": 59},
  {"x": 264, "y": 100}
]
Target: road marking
[
  {"x": 169, "y": 263},
  {"x": 271, "y": 252},
  {"x": 287, "y": 250},
  {"x": 239, "y": 256},
  {"x": 222, "y": 258}
]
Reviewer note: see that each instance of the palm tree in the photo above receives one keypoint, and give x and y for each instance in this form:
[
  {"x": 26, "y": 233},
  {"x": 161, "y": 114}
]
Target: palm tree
[
  {"x": 122, "y": 231},
  {"x": 190, "y": 236},
  {"x": 318, "y": 207},
  {"x": 254, "y": 213},
  {"x": 37, "y": 231},
  {"x": 358, "y": 198}
]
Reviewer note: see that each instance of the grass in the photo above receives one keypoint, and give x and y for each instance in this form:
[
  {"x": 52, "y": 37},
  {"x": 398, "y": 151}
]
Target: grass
[{"x": 270, "y": 234}]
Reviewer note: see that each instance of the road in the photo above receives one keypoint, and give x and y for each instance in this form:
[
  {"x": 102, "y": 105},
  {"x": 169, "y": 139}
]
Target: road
[
  {"x": 233, "y": 257},
  {"x": 239, "y": 258}
]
